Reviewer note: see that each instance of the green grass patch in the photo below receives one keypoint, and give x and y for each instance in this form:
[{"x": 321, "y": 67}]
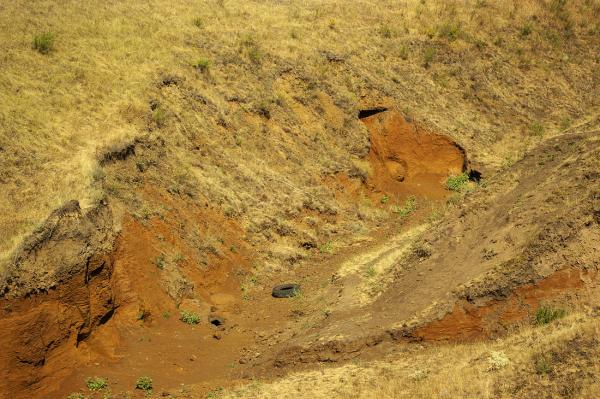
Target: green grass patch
[
  {"x": 457, "y": 183},
  {"x": 547, "y": 314},
  {"x": 43, "y": 43},
  {"x": 96, "y": 383}
]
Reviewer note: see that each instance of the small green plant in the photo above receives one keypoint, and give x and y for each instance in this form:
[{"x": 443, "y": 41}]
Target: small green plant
[
  {"x": 202, "y": 64},
  {"x": 178, "y": 258},
  {"x": 43, "y": 43},
  {"x": 384, "y": 199},
  {"x": 543, "y": 365},
  {"x": 96, "y": 383},
  {"x": 252, "y": 48},
  {"x": 457, "y": 183},
  {"x": 144, "y": 383},
  {"x": 159, "y": 117},
  {"x": 546, "y": 314},
  {"x": 449, "y": 30},
  {"x": 385, "y": 31},
  {"x": 189, "y": 317},
  {"x": 428, "y": 57},
  {"x": 526, "y": 29},
  {"x": 326, "y": 248},
  {"x": 76, "y": 396},
  {"x": 410, "y": 205},
  {"x": 566, "y": 123},
  {"x": 198, "y": 22},
  {"x": 536, "y": 129},
  {"x": 371, "y": 272},
  {"x": 215, "y": 393},
  {"x": 166, "y": 314},
  {"x": 160, "y": 261},
  {"x": 403, "y": 52}
]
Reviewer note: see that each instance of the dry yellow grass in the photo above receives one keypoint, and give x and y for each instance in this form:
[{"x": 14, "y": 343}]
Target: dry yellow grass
[
  {"x": 553, "y": 361},
  {"x": 278, "y": 78}
]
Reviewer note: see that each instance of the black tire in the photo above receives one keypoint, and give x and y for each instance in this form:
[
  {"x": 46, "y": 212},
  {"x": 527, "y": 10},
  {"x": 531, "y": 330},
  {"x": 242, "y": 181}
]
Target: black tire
[{"x": 285, "y": 290}]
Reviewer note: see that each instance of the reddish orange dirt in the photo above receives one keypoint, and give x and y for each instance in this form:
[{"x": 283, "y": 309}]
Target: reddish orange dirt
[
  {"x": 473, "y": 321},
  {"x": 408, "y": 160},
  {"x": 39, "y": 333}
]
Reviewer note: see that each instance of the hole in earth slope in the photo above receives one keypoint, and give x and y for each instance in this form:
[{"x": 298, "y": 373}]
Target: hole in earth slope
[{"x": 365, "y": 113}]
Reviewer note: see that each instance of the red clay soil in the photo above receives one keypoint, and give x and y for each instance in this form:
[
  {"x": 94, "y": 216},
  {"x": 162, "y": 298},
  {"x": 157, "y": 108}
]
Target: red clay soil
[
  {"x": 408, "y": 160},
  {"x": 38, "y": 333},
  {"x": 475, "y": 321}
]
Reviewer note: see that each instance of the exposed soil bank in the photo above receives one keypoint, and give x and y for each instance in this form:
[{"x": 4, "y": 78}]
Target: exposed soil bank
[
  {"x": 407, "y": 159},
  {"x": 56, "y": 292},
  {"x": 492, "y": 317}
]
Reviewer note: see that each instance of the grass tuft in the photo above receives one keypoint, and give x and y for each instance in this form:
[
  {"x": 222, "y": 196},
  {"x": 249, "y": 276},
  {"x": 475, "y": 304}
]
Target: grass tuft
[
  {"x": 43, "y": 43},
  {"x": 546, "y": 314}
]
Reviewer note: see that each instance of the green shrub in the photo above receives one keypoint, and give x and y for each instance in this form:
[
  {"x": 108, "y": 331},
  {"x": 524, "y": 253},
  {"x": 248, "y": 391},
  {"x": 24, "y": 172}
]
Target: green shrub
[
  {"x": 384, "y": 199},
  {"x": 44, "y": 42},
  {"x": 144, "y": 383},
  {"x": 547, "y": 314},
  {"x": 76, "y": 396},
  {"x": 189, "y": 317},
  {"x": 202, "y": 64},
  {"x": 96, "y": 383},
  {"x": 457, "y": 183}
]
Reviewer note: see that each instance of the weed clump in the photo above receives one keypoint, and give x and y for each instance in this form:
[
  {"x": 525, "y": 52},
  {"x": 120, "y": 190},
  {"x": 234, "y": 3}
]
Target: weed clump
[
  {"x": 189, "y": 317},
  {"x": 43, "y": 43},
  {"x": 96, "y": 383},
  {"x": 547, "y": 314},
  {"x": 457, "y": 183},
  {"x": 144, "y": 383}
]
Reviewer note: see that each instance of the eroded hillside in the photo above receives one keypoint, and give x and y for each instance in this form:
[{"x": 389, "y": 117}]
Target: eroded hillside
[{"x": 427, "y": 171}]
